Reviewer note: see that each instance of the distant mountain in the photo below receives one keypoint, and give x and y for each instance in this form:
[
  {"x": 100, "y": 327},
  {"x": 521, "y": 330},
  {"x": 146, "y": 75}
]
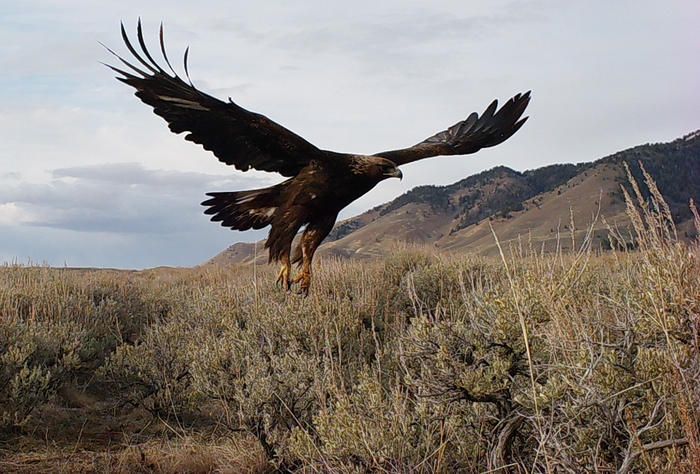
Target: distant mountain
[{"x": 533, "y": 208}]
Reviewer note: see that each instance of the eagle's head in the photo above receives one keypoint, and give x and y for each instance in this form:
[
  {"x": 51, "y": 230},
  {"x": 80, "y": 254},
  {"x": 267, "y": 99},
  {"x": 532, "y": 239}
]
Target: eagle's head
[{"x": 376, "y": 168}]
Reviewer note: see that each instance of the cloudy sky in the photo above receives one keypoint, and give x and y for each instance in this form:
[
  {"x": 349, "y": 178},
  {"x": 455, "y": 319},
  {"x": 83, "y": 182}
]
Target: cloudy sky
[{"x": 89, "y": 176}]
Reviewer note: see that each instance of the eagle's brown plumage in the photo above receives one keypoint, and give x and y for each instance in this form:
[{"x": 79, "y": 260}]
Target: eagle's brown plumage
[{"x": 321, "y": 183}]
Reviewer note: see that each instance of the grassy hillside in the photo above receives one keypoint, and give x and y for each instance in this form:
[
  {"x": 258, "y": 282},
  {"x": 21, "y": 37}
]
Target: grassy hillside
[
  {"x": 536, "y": 204},
  {"x": 422, "y": 362}
]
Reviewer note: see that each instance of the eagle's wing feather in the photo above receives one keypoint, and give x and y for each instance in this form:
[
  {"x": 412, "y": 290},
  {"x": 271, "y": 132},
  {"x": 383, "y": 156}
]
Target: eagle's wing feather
[
  {"x": 470, "y": 135},
  {"x": 235, "y": 135}
]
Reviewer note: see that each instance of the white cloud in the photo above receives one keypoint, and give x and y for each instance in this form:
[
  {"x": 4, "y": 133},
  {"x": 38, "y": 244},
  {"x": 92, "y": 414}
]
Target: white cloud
[
  {"x": 119, "y": 198},
  {"x": 13, "y": 215}
]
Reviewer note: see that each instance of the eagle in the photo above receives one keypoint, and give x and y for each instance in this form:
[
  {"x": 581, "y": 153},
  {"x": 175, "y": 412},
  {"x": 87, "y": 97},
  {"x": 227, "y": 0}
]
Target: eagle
[{"x": 320, "y": 183}]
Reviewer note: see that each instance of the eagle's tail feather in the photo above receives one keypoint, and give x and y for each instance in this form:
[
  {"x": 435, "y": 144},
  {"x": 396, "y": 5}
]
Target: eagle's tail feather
[{"x": 243, "y": 210}]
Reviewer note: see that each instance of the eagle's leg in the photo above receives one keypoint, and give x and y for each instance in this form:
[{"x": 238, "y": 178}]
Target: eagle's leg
[
  {"x": 285, "y": 272},
  {"x": 310, "y": 240},
  {"x": 304, "y": 278}
]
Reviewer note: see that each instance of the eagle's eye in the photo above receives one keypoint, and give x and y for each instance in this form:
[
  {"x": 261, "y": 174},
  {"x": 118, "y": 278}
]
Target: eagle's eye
[{"x": 391, "y": 171}]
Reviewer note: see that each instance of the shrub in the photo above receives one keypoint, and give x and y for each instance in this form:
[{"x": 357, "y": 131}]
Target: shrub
[{"x": 422, "y": 362}]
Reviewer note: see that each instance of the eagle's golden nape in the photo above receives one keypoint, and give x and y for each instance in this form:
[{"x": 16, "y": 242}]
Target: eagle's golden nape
[{"x": 321, "y": 183}]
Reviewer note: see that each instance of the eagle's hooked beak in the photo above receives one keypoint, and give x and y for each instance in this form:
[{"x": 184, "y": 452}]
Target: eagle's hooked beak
[{"x": 395, "y": 174}]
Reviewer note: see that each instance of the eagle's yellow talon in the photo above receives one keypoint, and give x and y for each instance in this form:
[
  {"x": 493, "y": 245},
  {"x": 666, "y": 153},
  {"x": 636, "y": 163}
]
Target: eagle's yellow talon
[
  {"x": 283, "y": 278},
  {"x": 305, "y": 279}
]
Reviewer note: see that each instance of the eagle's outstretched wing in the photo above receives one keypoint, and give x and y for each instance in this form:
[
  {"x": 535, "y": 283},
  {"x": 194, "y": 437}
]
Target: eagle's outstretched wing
[
  {"x": 236, "y": 136},
  {"x": 470, "y": 135}
]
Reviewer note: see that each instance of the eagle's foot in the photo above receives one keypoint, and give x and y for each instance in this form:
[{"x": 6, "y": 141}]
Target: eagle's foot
[
  {"x": 305, "y": 279},
  {"x": 283, "y": 278}
]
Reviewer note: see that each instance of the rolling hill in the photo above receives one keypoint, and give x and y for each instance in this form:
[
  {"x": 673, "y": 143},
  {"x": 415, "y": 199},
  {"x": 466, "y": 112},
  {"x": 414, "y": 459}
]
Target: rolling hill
[{"x": 535, "y": 208}]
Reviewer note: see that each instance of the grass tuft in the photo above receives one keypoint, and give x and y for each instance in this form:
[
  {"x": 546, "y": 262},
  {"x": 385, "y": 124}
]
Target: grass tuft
[{"x": 423, "y": 362}]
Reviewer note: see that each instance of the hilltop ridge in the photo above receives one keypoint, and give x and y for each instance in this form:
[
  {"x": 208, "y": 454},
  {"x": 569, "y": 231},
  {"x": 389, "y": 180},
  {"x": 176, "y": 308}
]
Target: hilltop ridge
[{"x": 537, "y": 205}]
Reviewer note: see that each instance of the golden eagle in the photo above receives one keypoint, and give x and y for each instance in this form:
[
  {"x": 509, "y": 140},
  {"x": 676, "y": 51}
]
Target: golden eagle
[{"x": 320, "y": 183}]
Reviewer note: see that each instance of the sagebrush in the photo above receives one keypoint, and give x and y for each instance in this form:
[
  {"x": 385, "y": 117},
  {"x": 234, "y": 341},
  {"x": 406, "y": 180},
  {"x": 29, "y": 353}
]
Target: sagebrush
[{"x": 423, "y": 362}]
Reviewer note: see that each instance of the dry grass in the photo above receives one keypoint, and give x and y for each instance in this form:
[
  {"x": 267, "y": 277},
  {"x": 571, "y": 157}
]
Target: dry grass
[
  {"x": 182, "y": 456},
  {"x": 423, "y": 362}
]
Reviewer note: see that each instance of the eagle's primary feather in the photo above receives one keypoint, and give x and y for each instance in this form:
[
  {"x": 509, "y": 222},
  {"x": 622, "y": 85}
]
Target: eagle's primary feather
[{"x": 321, "y": 183}]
